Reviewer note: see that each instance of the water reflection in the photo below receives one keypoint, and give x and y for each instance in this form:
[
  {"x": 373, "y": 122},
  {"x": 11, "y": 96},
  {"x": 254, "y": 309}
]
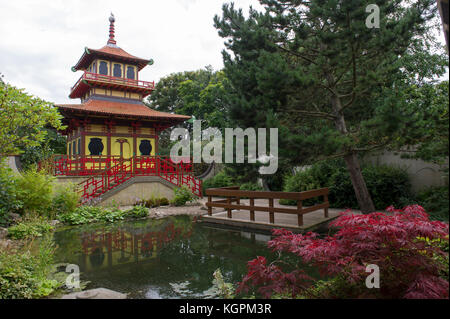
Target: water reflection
[
  {"x": 173, "y": 257},
  {"x": 109, "y": 248}
]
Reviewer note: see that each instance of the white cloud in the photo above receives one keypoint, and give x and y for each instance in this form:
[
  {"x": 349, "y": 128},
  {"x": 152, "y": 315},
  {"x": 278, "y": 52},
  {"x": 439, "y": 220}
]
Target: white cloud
[{"x": 41, "y": 40}]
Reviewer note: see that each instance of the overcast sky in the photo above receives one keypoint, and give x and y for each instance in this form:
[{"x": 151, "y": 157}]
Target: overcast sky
[{"x": 41, "y": 40}]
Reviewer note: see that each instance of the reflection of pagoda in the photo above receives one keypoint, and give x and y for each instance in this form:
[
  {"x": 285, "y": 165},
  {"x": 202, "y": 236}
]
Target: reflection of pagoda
[
  {"x": 120, "y": 247},
  {"x": 112, "y": 127}
]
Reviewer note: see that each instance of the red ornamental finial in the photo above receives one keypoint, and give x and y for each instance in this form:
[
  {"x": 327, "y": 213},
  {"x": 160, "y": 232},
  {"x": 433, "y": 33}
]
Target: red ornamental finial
[{"x": 111, "y": 30}]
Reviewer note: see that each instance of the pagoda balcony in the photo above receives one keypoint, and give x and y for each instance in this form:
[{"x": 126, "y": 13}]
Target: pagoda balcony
[{"x": 89, "y": 79}]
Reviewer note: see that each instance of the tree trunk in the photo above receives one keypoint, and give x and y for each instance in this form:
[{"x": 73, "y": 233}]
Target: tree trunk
[{"x": 359, "y": 185}]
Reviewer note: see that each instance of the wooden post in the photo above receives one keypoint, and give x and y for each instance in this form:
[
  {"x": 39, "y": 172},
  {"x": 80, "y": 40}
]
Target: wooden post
[
  {"x": 238, "y": 201},
  {"x": 209, "y": 207},
  {"x": 325, "y": 199},
  {"x": 252, "y": 212},
  {"x": 228, "y": 208},
  {"x": 271, "y": 213},
  {"x": 299, "y": 213}
]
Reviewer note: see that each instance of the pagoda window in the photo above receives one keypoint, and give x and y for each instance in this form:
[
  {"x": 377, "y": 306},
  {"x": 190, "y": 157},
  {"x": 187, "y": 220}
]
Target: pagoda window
[
  {"x": 130, "y": 73},
  {"x": 74, "y": 148},
  {"x": 145, "y": 147},
  {"x": 103, "y": 68},
  {"x": 96, "y": 146},
  {"x": 117, "y": 70}
]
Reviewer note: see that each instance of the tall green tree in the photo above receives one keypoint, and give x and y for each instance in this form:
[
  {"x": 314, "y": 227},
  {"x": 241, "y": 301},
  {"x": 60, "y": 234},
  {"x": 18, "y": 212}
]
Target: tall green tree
[
  {"x": 199, "y": 93},
  {"x": 328, "y": 81},
  {"x": 428, "y": 123},
  {"x": 53, "y": 143},
  {"x": 23, "y": 118}
]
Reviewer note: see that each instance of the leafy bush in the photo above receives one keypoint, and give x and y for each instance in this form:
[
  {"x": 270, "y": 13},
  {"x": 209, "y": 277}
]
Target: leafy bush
[
  {"x": 250, "y": 187},
  {"x": 163, "y": 201},
  {"x": 65, "y": 199},
  {"x": 24, "y": 275},
  {"x": 312, "y": 177},
  {"x": 136, "y": 212},
  {"x": 35, "y": 191},
  {"x": 92, "y": 214},
  {"x": 9, "y": 202},
  {"x": 219, "y": 180},
  {"x": 224, "y": 289},
  {"x": 387, "y": 185},
  {"x": 410, "y": 266},
  {"x": 30, "y": 227},
  {"x": 436, "y": 202},
  {"x": 182, "y": 195},
  {"x": 152, "y": 202}
]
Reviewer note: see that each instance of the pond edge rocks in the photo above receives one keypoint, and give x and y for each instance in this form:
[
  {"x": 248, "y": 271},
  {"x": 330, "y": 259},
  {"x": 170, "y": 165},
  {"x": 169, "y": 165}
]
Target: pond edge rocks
[{"x": 98, "y": 293}]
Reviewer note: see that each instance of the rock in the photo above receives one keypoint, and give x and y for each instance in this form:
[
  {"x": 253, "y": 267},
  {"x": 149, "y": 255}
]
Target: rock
[
  {"x": 54, "y": 222},
  {"x": 7, "y": 244},
  {"x": 99, "y": 293},
  {"x": 3, "y": 232}
]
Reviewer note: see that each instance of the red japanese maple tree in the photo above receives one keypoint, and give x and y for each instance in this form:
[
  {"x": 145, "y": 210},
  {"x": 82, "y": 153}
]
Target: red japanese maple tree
[{"x": 404, "y": 244}]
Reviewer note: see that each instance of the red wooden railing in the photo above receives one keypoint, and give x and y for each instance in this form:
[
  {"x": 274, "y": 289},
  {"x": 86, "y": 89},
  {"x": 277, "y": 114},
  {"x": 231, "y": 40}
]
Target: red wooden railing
[
  {"x": 114, "y": 80},
  {"x": 108, "y": 172},
  {"x": 77, "y": 165},
  {"x": 110, "y": 178}
]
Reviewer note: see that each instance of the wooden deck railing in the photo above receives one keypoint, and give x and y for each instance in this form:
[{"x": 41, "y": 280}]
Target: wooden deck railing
[{"x": 233, "y": 194}]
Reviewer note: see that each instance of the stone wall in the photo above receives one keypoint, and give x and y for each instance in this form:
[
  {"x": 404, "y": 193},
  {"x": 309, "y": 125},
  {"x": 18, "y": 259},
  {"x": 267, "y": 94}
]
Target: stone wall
[
  {"x": 140, "y": 187},
  {"x": 129, "y": 193},
  {"x": 421, "y": 174}
]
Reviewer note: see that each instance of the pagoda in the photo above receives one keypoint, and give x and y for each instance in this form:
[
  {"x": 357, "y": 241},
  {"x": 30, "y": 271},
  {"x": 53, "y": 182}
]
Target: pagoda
[{"x": 112, "y": 131}]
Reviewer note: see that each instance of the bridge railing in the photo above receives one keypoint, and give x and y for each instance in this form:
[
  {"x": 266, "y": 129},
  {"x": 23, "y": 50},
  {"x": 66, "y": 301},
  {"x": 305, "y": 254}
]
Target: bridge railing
[
  {"x": 233, "y": 194},
  {"x": 106, "y": 172}
]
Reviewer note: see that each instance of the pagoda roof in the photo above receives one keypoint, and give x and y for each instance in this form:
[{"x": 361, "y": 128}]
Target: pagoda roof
[
  {"x": 110, "y": 52},
  {"x": 120, "y": 109}
]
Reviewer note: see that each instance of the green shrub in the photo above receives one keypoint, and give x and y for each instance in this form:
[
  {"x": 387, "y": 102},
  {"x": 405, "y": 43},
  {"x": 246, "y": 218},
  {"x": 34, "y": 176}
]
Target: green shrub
[
  {"x": 163, "y": 201},
  {"x": 250, "y": 187},
  {"x": 30, "y": 227},
  {"x": 35, "y": 191},
  {"x": 81, "y": 215},
  {"x": 387, "y": 185},
  {"x": 24, "y": 275},
  {"x": 137, "y": 212},
  {"x": 182, "y": 195},
  {"x": 220, "y": 180},
  {"x": 313, "y": 177},
  {"x": 435, "y": 200},
  {"x": 109, "y": 215},
  {"x": 65, "y": 199},
  {"x": 9, "y": 202},
  {"x": 92, "y": 214}
]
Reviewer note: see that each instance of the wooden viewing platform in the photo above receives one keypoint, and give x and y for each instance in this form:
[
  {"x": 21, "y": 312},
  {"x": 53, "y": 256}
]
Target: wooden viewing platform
[{"x": 261, "y": 209}]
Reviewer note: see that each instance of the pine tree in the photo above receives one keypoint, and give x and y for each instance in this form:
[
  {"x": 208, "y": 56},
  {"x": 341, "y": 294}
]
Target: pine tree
[{"x": 328, "y": 81}]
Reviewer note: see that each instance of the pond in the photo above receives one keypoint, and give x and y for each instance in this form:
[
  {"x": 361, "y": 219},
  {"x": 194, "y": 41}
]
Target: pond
[{"x": 173, "y": 257}]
